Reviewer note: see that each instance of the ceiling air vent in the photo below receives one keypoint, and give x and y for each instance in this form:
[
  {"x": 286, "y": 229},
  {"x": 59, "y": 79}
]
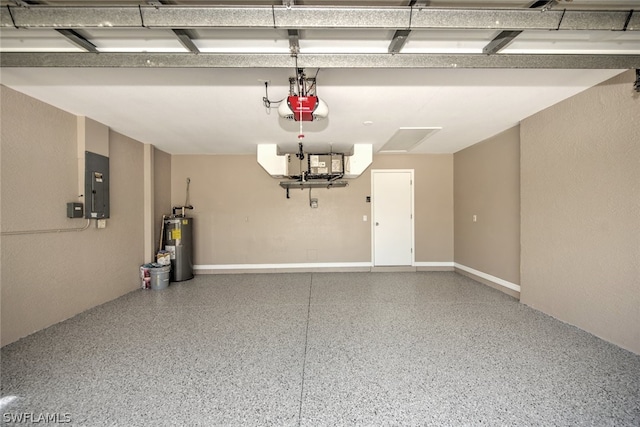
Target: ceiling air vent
[{"x": 407, "y": 138}]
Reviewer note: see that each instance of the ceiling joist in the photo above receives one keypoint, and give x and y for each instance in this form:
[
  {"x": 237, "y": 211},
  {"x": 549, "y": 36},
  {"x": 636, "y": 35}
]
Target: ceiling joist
[
  {"x": 306, "y": 17},
  {"x": 216, "y": 60}
]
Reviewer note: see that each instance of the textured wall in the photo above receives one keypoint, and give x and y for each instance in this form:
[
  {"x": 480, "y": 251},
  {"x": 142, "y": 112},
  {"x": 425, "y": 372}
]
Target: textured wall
[
  {"x": 242, "y": 216},
  {"x": 580, "y": 187},
  {"x": 47, "y": 278},
  {"x": 162, "y": 190},
  {"x": 487, "y": 184}
]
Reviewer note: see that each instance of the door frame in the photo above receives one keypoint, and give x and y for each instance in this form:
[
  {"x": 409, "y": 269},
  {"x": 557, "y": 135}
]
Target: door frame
[{"x": 413, "y": 216}]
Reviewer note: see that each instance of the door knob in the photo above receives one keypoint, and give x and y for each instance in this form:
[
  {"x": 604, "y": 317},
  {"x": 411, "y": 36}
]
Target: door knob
[{"x": 377, "y": 224}]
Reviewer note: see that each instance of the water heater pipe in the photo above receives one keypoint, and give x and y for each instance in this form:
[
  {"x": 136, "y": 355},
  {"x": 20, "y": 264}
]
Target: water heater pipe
[{"x": 161, "y": 234}]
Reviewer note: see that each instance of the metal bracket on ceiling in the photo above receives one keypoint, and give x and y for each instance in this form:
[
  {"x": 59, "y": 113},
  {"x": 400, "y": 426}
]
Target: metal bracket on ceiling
[
  {"x": 398, "y": 41},
  {"x": 505, "y": 37},
  {"x": 294, "y": 41},
  {"x": 626, "y": 22},
  {"x": 157, "y": 3},
  {"x": 499, "y": 42},
  {"x": 185, "y": 37},
  {"x": 538, "y": 3},
  {"x": 142, "y": 24},
  {"x": 11, "y": 22},
  {"x": 78, "y": 39},
  {"x": 419, "y": 3}
]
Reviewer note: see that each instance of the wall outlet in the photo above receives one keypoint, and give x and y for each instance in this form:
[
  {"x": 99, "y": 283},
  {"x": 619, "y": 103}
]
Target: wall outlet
[
  {"x": 101, "y": 223},
  {"x": 475, "y": 218},
  {"x": 364, "y": 218}
]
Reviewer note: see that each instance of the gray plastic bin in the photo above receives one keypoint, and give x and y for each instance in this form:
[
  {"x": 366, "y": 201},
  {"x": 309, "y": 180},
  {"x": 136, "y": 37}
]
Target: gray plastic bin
[{"x": 160, "y": 277}]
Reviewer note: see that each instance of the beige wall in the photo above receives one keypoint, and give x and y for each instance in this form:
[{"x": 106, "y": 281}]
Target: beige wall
[
  {"x": 242, "y": 216},
  {"x": 580, "y": 188},
  {"x": 487, "y": 184},
  {"x": 161, "y": 190},
  {"x": 433, "y": 193},
  {"x": 49, "y": 277}
]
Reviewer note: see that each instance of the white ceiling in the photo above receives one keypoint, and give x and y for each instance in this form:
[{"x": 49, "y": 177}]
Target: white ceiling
[{"x": 220, "y": 110}]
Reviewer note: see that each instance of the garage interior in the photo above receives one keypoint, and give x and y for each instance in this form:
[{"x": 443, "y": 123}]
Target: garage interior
[{"x": 507, "y": 293}]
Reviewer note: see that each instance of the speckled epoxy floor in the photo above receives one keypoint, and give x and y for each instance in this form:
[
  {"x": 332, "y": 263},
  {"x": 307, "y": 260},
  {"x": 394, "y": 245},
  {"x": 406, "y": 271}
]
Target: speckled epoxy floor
[{"x": 321, "y": 349}]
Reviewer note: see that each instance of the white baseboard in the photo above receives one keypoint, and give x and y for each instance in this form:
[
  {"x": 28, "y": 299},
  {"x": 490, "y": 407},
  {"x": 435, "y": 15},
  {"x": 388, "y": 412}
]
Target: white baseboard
[
  {"x": 284, "y": 267},
  {"x": 490, "y": 278},
  {"x": 433, "y": 264},
  {"x": 307, "y": 266}
]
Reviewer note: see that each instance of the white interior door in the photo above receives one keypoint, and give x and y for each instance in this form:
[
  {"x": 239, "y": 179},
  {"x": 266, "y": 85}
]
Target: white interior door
[{"x": 392, "y": 218}]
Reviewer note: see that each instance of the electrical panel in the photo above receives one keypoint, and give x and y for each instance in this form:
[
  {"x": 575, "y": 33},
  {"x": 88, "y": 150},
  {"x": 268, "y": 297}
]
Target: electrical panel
[{"x": 96, "y": 185}]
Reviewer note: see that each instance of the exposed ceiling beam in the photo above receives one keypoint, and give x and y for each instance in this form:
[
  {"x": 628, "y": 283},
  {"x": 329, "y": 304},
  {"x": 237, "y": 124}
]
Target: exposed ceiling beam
[
  {"x": 300, "y": 17},
  {"x": 303, "y": 17},
  {"x": 76, "y": 17},
  {"x": 186, "y": 39},
  {"x": 213, "y": 60},
  {"x": 78, "y": 40}
]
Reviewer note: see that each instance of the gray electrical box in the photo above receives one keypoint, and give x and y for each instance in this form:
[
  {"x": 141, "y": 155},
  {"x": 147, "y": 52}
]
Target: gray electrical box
[
  {"x": 75, "y": 210},
  {"x": 96, "y": 185}
]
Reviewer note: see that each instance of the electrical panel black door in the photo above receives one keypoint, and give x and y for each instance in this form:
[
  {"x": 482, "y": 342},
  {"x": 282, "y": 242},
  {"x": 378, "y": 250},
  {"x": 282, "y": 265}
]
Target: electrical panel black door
[{"x": 96, "y": 185}]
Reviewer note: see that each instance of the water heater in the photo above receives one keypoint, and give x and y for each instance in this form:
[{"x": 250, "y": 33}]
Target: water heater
[{"x": 178, "y": 241}]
